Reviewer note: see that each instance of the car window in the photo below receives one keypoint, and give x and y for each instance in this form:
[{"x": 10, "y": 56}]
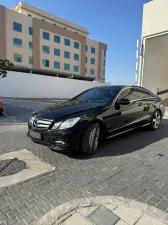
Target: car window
[
  {"x": 98, "y": 94},
  {"x": 130, "y": 94},
  {"x": 144, "y": 94}
]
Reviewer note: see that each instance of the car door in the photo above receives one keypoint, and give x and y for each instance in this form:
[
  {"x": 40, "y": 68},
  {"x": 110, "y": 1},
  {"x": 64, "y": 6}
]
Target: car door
[
  {"x": 148, "y": 103},
  {"x": 125, "y": 115}
]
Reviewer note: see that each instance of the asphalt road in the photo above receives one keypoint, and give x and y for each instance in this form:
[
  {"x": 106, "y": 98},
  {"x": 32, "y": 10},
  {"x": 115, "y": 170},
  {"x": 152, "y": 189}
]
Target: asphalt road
[{"x": 22, "y": 109}]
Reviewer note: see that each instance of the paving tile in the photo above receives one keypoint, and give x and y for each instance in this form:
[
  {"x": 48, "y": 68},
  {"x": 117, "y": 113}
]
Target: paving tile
[
  {"x": 77, "y": 219},
  {"x": 148, "y": 220},
  {"x": 121, "y": 222},
  {"x": 129, "y": 215},
  {"x": 12, "y": 221},
  {"x": 87, "y": 210},
  {"x": 104, "y": 216},
  {"x": 110, "y": 206}
]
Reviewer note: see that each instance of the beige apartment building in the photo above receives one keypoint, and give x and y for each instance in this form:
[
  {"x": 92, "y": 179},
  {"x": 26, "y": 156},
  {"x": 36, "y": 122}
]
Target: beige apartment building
[{"x": 39, "y": 42}]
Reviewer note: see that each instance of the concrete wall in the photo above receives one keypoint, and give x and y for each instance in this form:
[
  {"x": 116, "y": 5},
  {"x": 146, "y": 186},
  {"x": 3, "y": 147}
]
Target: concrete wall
[
  {"x": 155, "y": 17},
  {"x": 155, "y": 69},
  {"x": 27, "y": 85}
]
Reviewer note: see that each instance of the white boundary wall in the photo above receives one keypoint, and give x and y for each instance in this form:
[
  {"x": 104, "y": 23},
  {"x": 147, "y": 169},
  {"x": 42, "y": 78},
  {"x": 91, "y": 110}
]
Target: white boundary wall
[{"x": 26, "y": 85}]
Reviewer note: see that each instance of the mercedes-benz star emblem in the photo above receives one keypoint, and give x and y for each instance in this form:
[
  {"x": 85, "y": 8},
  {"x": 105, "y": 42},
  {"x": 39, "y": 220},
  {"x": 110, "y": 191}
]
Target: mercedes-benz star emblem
[{"x": 35, "y": 123}]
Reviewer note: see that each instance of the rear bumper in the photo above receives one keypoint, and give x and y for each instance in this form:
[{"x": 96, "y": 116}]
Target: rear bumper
[
  {"x": 65, "y": 140},
  {"x": 1, "y": 107}
]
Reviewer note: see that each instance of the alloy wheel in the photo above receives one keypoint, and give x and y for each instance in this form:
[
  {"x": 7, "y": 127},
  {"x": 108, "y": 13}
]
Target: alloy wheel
[{"x": 156, "y": 120}]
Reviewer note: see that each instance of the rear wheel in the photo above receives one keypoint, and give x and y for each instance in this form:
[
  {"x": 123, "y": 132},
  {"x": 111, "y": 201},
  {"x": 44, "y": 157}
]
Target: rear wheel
[
  {"x": 155, "y": 121},
  {"x": 91, "y": 139}
]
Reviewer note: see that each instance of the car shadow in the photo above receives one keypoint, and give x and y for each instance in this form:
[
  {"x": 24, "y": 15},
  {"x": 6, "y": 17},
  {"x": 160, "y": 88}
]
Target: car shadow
[{"x": 127, "y": 143}]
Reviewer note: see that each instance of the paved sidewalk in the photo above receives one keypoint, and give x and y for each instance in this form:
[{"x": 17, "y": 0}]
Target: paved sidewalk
[{"x": 105, "y": 210}]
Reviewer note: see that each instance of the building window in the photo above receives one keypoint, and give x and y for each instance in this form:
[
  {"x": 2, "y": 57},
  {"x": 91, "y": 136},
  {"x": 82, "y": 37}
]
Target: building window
[
  {"x": 46, "y": 63},
  {"x": 17, "y": 42},
  {"x": 76, "y": 57},
  {"x": 46, "y": 36},
  {"x": 91, "y": 71},
  {"x": 76, "y": 45},
  {"x": 85, "y": 70},
  {"x": 76, "y": 69},
  {"x": 66, "y": 55},
  {"x": 17, "y": 27},
  {"x": 30, "y": 31},
  {"x": 17, "y": 57},
  {"x": 57, "y": 65},
  {"x": 104, "y": 63},
  {"x": 56, "y": 52},
  {"x": 86, "y": 48},
  {"x": 93, "y": 50},
  {"x": 92, "y": 61},
  {"x": 57, "y": 39},
  {"x": 66, "y": 66},
  {"x": 67, "y": 42},
  {"x": 30, "y": 60},
  {"x": 104, "y": 53},
  {"x": 54, "y": 24},
  {"x": 43, "y": 20},
  {"x": 86, "y": 59},
  {"x": 30, "y": 45},
  {"x": 46, "y": 49},
  {"x": 29, "y": 15},
  {"x": 103, "y": 73},
  {"x": 65, "y": 28}
]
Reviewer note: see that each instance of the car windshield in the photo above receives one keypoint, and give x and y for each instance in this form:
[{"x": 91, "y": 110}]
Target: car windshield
[{"x": 106, "y": 94}]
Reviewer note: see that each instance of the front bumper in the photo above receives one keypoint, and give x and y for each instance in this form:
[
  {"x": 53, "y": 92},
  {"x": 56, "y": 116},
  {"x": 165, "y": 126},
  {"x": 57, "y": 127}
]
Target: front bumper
[{"x": 64, "y": 140}]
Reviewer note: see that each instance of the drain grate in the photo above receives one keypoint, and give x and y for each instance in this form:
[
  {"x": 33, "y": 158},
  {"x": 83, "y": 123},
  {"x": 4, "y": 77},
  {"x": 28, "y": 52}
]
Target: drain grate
[{"x": 11, "y": 166}]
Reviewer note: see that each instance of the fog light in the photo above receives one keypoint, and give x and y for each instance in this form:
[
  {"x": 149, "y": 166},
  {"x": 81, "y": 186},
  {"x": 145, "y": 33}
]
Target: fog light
[{"x": 60, "y": 142}]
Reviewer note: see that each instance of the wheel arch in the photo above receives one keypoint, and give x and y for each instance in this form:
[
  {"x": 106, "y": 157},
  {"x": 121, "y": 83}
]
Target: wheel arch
[
  {"x": 103, "y": 130},
  {"x": 158, "y": 109}
]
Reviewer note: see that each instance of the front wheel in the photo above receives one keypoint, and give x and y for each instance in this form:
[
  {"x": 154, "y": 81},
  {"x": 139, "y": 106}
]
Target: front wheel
[
  {"x": 155, "y": 121},
  {"x": 90, "y": 139}
]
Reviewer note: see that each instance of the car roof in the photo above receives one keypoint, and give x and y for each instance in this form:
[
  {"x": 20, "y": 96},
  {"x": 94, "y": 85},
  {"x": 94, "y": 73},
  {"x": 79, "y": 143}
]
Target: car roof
[{"x": 121, "y": 87}]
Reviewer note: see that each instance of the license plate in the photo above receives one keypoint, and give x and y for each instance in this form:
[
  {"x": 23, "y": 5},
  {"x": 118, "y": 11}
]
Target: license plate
[{"x": 34, "y": 134}]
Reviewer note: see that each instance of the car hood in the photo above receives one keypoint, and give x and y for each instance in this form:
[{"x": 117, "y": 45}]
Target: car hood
[{"x": 69, "y": 109}]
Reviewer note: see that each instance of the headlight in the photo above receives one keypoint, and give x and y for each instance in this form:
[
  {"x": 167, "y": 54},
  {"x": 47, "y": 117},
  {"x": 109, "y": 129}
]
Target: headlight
[
  {"x": 66, "y": 124},
  {"x": 69, "y": 123},
  {"x": 32, "y": 120},
  {"x": 56, "y": 125}
]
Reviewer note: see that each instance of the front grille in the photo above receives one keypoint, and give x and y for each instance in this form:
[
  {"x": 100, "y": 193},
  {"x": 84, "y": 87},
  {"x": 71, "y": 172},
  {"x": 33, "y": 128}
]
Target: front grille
[{"x": 42, "y": 124}]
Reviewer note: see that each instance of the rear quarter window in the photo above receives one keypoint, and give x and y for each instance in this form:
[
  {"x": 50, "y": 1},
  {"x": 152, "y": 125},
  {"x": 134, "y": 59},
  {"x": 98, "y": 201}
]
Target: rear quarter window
[{"x": 144, "y": 94}]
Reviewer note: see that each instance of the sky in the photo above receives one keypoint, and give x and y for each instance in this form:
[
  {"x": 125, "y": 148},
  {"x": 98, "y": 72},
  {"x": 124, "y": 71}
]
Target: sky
[{"x": 118, "y": 23}]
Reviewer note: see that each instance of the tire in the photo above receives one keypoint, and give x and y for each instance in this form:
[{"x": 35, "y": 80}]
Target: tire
[
  {"x": 155, "y": 120},
  {"x": 90, "y": 139}
]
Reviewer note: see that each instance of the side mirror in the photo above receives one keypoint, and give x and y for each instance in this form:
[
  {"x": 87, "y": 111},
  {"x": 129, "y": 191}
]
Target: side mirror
[{"x": 123, "y": 101}]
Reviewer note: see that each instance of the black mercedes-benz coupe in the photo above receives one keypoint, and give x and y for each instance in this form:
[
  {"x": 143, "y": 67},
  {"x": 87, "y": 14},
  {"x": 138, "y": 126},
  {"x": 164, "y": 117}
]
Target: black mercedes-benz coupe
[{"x": 95, "y": 115}]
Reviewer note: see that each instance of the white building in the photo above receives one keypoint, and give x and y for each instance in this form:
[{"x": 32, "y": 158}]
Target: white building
[{"x": 153, "y": 72}]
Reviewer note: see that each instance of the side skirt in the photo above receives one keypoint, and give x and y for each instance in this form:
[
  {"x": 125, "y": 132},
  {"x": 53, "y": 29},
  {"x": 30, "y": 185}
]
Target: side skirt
[{"x": 125, "y": 131}]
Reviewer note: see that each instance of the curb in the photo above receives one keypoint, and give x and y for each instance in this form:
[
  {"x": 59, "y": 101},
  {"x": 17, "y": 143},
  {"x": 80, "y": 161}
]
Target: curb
[
  {"x": 62, "y": 212},
  {"x": 4, "y": 114},
  {"x": 20, "y": 122}
]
